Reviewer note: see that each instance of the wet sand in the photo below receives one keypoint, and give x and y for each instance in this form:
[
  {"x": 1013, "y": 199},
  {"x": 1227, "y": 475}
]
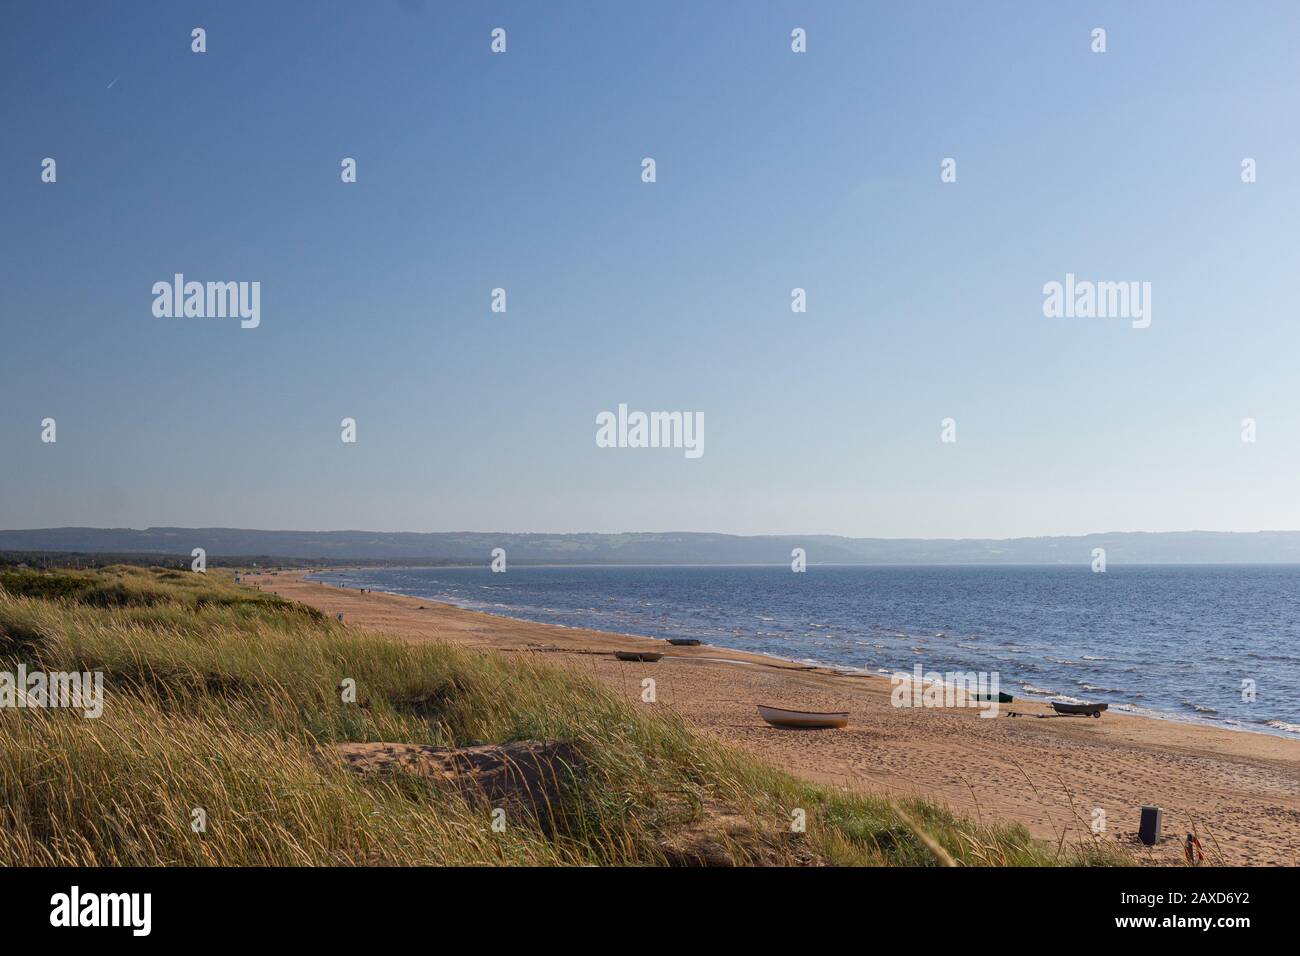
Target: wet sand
[{"x": 1239, "y": 791}]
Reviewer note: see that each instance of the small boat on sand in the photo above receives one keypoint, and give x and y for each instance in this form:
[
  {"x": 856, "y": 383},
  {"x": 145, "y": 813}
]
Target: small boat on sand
[
  {"x": 1078, "y": 710},
  {"x": 646, "y": 657},
  {"x": 684, "y": 641},
  {"x": 1000, "y": 698},
  {"x": 803, "y": 719}
]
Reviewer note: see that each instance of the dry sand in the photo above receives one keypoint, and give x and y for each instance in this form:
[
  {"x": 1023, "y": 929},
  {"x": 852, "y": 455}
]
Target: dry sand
[{"x": 1239, "y": 791}]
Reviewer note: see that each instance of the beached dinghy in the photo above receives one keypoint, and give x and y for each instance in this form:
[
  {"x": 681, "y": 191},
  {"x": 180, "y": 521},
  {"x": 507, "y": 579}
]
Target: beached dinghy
[
  {"x": 1078, "y": 710},
  {"x": 647, "y": 657},
  {"x": 684, "y": 641},
  {"x": 780, "y": 717},
  {"x": 1000, "y": 697}
]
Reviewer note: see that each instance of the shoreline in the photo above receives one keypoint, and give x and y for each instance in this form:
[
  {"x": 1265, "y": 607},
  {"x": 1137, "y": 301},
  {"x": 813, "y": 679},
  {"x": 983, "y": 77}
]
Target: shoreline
[
  {"x": 1128, "y": 710},
  {"x": 1237, "y": 790}
]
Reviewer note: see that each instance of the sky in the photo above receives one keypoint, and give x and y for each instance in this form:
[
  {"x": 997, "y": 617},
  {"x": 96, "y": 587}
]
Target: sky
[{"x": 775, "y": 170}]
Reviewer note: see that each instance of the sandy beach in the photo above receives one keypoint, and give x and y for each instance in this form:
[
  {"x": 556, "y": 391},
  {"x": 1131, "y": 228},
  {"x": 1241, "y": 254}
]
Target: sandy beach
[{"x": 1239, "y": 791}]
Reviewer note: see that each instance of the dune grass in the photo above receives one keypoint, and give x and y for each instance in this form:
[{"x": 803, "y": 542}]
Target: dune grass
[{"x": 222, "y": 703}]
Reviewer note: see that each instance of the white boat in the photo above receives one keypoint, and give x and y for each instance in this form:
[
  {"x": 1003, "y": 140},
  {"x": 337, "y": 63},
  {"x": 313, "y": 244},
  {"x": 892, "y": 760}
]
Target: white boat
[{"x": 780, "y": 717}]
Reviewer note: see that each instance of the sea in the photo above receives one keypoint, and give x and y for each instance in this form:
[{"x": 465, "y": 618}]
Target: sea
[{"x": 1213, "y": 644}]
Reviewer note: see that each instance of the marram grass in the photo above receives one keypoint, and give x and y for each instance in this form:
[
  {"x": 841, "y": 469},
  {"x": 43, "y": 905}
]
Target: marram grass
[{"x": 221, "y": 704}]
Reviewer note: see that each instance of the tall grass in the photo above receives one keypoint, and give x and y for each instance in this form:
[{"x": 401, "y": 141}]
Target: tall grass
[{"x": 223, "y": 703}]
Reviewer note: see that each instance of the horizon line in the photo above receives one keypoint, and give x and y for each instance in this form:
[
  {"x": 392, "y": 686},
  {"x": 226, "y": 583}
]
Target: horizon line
[{"x": 728, "y": 534}]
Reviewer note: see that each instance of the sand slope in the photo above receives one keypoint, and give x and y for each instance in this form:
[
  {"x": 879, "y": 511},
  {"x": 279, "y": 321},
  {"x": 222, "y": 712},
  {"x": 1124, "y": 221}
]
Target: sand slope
[{"x": 1239, "y": 791}]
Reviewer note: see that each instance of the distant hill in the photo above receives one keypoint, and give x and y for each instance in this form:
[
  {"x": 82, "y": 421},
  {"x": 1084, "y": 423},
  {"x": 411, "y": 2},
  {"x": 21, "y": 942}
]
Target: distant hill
[{"x": 1179, "y": 547}]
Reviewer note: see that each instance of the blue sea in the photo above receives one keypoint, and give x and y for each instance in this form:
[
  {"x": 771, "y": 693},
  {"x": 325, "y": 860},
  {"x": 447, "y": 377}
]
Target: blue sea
[{"x": 1167, "y": 641}]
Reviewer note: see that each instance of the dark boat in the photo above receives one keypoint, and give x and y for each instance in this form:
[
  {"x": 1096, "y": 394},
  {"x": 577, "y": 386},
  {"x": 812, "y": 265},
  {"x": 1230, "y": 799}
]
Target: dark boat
[
  {"x": 1001, "y": 698},
  {"x": 646, "y": 657},
  {"x": 1078, "y": 710},
  {"x": 684, "y": 641}
]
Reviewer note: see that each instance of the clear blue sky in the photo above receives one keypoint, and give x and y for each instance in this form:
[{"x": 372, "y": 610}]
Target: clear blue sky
[{"x": 775, "y": 170}]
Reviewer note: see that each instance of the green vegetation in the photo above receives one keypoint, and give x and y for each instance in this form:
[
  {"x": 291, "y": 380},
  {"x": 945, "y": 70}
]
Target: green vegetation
[{"x": 226, "y": 699}]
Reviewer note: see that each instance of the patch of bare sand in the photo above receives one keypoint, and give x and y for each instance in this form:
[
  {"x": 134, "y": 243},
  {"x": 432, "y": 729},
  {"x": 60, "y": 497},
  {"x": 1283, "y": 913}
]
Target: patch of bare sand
[
  {"x": 1239, "y": 791},
  {"x": 528, "y": 773}
]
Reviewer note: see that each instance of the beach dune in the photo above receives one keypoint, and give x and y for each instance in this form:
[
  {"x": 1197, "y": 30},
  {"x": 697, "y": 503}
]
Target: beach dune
[{"x": 1062, "y": 778}]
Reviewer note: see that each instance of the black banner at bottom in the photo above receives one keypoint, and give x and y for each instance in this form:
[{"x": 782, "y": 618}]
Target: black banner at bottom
[{"x": 983, "y": 907}]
